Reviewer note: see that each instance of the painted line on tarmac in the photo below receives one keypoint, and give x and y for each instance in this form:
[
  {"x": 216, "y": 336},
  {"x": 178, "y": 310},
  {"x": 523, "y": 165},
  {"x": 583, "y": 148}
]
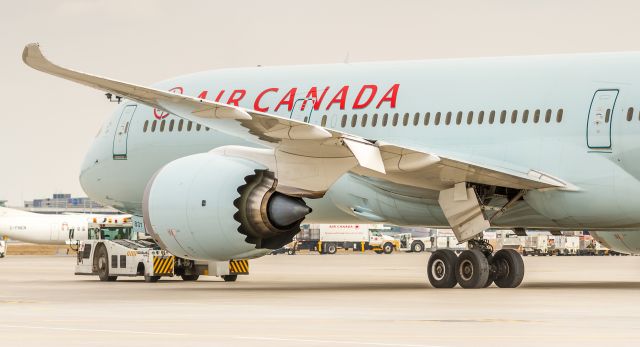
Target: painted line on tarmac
[
  {"x": 109, "y": 331},
  {"x": 363, "y": 343}
]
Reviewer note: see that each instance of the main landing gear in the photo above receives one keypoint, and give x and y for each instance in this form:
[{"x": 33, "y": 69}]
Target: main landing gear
[{"x": 476, "y": 267}]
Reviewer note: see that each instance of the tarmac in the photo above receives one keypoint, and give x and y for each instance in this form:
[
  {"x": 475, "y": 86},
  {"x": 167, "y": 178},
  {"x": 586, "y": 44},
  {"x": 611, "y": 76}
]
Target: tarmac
[{"x": 320, "y": 300}]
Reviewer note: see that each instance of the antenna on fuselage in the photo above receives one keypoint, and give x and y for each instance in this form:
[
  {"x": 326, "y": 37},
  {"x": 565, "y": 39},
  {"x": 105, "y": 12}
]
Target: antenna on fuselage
[{"x": 111, "y": 97}]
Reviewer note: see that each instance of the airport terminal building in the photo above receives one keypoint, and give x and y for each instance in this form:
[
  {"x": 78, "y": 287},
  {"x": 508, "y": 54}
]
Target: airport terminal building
[{"x": 65, "y": 203}]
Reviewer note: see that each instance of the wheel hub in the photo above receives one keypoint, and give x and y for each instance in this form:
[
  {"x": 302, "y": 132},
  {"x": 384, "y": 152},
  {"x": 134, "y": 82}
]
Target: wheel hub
[
  {"x": 466, "y": 270},
  {"x": 438, "y": 269}
]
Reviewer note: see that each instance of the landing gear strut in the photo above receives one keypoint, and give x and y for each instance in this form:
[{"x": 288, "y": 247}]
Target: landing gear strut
[{"x": 476, "y": 267}]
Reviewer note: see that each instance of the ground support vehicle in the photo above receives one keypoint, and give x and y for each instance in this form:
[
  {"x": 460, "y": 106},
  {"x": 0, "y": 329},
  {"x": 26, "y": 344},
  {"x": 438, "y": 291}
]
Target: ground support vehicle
[
  {"x": 536, "y": 245},
  {"x": 445, "y": 239},
  {"x": 109, "y": 259},
  {"x": 328, "y": 238},
  {"x": 589, "y": 246},
  {"x": 563, "y": 245},
  {"x": 409, "y": 243}
]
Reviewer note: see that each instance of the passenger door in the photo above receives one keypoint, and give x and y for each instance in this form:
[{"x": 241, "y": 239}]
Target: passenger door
[
  {"x": 600, "y": 118},
  {"x": 122, "y": 132}
]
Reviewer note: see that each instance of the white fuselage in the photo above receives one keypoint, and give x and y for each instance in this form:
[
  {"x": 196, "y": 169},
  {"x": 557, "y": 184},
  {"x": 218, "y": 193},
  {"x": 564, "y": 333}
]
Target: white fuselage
[{"x": 53, "y": 229}]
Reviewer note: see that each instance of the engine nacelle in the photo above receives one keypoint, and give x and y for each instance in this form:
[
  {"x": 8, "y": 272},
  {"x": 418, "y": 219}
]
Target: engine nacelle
[
  {"x": 620, "y": 241},
  {"x": 209, "y": 206}
]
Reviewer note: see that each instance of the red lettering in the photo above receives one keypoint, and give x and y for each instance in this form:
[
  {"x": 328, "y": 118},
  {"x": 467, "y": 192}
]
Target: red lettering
[
  {"x": 313, "y": 94},
  {"x": 219, "y": 95},
  {"x": 203, "y": 95},
  {"x": 256, "y": 104},
  {"x": 288, "y": 99},
  {"x": 357, "y": 104},
  {"x": 390, "y": 96},
  {"x": 236, "y": 96},
  {"x": 163, "y": 115},
  {"x": 340, "y": 97}
]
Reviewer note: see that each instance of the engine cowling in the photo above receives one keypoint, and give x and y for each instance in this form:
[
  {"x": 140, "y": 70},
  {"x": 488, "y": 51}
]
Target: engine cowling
[
  {"x": 620, "y": 241},
  {"x": 209, "y": 206}
]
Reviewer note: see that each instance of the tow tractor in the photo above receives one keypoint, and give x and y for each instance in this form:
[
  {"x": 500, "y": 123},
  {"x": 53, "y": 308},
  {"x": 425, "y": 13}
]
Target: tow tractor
[
  {"x": 116, "y": 251},
  {"x": 409, "y": 243}
]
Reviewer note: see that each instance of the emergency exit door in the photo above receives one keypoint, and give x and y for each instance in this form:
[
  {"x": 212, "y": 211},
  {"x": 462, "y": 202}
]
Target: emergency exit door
[
  {"x": 600, "y": 118},
  {"x": 302, "y": 109},
  {"x": 122, "y": 132}
]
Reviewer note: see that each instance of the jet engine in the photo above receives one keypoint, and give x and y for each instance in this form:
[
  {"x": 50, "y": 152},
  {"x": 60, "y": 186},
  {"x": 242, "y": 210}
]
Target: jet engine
[
  {"x": 620, "y": 241},
  {"x": 210, "y": 206}
]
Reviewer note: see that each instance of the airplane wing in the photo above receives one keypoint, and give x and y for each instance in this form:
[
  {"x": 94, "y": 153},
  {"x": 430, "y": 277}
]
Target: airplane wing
[{"x": 306, "y": 149}]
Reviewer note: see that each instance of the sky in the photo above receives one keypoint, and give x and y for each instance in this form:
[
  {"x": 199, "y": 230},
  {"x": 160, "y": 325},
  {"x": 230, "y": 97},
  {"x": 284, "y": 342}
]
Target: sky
[{"x": 47, "y": 124}]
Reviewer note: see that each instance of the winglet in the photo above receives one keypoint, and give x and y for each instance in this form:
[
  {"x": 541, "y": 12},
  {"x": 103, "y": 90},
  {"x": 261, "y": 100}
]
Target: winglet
[{"x": 33, "y": 57}]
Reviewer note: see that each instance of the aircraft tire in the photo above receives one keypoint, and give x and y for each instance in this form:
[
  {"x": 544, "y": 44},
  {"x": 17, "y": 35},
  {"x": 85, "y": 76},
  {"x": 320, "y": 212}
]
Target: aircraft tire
[
  {"x": 509, "y": 268},
  {"x": 190, "y": 277},
  {"x": 472, "y": 269},
  {"x": 491, "y": 276},
  {"x": 441, "y": 269},
  {"x": 229, "y": 278}
]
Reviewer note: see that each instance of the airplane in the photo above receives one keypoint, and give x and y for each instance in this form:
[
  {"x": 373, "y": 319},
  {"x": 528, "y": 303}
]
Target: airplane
[
  {"x": 226, "y": 164},
  {"x": 52, "y": 229}
]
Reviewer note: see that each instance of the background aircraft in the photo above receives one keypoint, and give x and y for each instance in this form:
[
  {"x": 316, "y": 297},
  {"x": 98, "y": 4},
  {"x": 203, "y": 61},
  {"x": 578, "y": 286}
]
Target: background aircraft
[{"x": 51, "y": 229}]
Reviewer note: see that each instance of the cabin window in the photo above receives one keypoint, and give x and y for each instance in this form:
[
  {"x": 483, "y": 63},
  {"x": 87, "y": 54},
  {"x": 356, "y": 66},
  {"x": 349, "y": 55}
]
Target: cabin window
[
  {"x": 437, "y": 120},
  {"x": 480, "y": 117},
  {"x": 146, "y": 125},
  {"x": 559, "y": 115},
  {"x": 629, "y": 114},
  {"x": 447, "y": 120},
  {"x": 385, "y": 119},
  {"x": 198, "y": 127},
  {"x": 162, "y": 125},
  {"x": 536, "y": 116},
  {"x": 374, "y": 120},
  {"x": 180, "y": 124},
  {"x": 405, "y": 119},
  {"x": 395, "y": 119},
  {"x": 363, "y": 123},
  {"x": 514, "y": 116},
  {"x": 607, "y": 115},
  {"x": 206, "y": 128},
  {"x": 459, "y": 118},
  {"x": 171, "y": 124},
  {"x": 426, "y": 118},
  {"x": 189, "y": 125},
  {"x": 470, "y": 117},
  {"x": 416, "y": 119},
  {"x": 354, "y": 120},
  {"x": 343, "y": 123},
  {"x": 547, "y": 116},
  {"x": 525, "y": 116},
  {"x": 153, "y": 125},
  {"x": 492, "y": 117},
  {"x": 323, "y": 122},
  {"x": 503, "y": 116}
]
